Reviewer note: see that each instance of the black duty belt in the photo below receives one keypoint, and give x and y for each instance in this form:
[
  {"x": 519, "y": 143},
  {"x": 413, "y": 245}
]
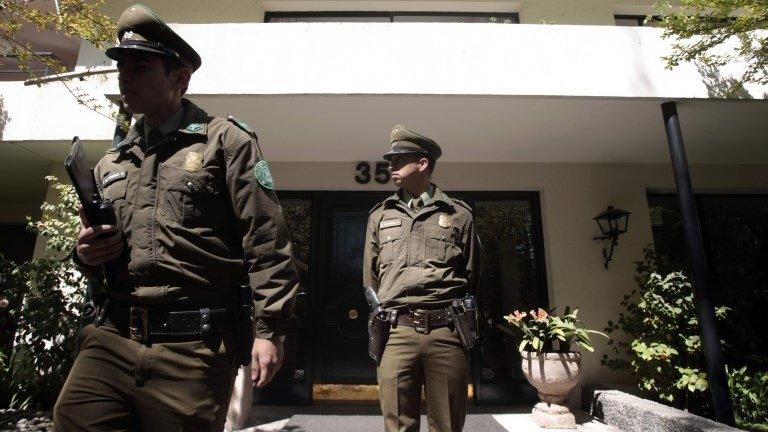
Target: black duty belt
[
  {"x": 423, "y": 321},
  {"x": 157, "y": 324}
]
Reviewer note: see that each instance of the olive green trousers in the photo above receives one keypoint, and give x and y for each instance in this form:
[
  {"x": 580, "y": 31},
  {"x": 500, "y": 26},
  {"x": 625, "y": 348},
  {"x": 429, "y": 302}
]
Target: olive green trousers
[
  {"x": 439, "y": 362},
  {"x": 117, "y": 384}
]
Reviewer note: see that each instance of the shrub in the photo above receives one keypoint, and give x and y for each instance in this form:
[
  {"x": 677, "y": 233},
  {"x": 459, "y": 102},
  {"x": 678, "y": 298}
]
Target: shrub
[
  {"x": 44, "y": 295},
  {"x": 664, "y": 350}
]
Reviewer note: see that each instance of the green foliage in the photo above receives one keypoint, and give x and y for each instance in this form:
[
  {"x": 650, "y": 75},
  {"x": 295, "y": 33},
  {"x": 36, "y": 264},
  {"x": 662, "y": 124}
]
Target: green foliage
[
  {"x": 749, "y": 393},
  {"x": 664, "y": 350},
  {"x": 540, "y": 330},
  {"x": 14, "y": 370},
  {"x": 45, "y": 295},
  {"x": 78, "y": 19},
  {"x": 700, "y": 26}
]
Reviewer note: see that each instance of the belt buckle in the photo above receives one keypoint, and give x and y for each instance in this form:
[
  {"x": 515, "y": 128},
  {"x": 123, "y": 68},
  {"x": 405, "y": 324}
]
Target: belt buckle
[
  {"x": 420, "y": 322},
  {"x": 138, "y": 320}
]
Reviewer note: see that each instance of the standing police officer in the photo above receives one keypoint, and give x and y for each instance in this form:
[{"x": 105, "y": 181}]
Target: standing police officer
[
  {"x": 196, "y": 215},
  {"x": 422, "y": 253}
]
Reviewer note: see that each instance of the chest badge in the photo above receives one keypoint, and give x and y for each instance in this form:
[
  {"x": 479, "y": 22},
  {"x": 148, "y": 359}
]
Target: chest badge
[
  {"x": 444, "y": 221},
  {"x": 193, "y": 162}
]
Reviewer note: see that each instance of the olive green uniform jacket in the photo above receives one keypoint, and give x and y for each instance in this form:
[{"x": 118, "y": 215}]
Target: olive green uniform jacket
[
  {"x": 196, "y": 220},
  {"x": 423, "y": 258}
]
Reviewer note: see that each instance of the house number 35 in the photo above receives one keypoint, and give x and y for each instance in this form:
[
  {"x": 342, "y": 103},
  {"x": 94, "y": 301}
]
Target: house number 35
[{"x": 363, "y": 173}]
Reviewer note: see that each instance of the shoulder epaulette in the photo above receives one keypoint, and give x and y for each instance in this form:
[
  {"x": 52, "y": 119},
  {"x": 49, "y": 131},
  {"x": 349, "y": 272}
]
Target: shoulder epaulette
[
  {"x": 376, "y": 207},
  {"x": 242, "y": 125},
  {"x": 462, "y": 204}
]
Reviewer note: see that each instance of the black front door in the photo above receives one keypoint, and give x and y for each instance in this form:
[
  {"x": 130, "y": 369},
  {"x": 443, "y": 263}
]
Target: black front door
[{"x": 341, "y": 342}]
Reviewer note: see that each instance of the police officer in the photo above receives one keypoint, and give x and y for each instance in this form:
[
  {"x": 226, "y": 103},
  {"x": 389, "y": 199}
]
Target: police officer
[
  {"x": 196, "y": 215},
  {"x": 421, "y": 251}
]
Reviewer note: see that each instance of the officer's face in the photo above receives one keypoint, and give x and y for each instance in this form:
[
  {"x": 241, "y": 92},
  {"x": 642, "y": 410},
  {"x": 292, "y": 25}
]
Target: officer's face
[
  {"x": 144, "y": 84},
  {"x": 405, "y": 168}
]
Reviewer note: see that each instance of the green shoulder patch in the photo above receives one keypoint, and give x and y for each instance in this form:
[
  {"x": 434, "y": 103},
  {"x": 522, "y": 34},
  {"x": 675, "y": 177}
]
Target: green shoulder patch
[
  {"x": 242, "y": 125},
  {"x": 263, "y": 175}
]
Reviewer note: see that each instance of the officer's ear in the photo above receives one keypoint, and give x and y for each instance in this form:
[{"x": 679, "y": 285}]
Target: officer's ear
[
  {"x": 424, "y": 165},
  {"x": 181, "y": 79}
]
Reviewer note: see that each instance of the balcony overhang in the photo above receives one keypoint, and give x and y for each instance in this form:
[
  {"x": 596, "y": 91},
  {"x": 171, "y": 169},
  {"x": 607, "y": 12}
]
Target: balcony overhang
[{"x": 499, "y": 129}]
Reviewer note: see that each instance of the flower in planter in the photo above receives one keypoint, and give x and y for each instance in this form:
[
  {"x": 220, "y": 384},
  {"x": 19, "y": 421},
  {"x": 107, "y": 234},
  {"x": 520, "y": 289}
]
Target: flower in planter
[{"x": 544, "y": 331}]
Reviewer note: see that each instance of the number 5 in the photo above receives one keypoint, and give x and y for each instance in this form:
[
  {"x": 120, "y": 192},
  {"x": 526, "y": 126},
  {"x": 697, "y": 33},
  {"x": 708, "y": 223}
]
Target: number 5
[{"x": 382, "y": 172}]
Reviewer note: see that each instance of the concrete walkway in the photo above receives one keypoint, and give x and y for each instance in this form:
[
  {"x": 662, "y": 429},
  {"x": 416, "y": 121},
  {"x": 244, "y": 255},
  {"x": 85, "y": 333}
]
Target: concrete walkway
[{"x": 319, "y": 418}]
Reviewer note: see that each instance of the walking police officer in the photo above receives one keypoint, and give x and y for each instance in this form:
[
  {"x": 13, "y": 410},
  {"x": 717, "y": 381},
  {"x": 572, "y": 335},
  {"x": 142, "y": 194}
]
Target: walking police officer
[
  {"x": 196, "y": 215},
  {"x": 422, "y": 253}
]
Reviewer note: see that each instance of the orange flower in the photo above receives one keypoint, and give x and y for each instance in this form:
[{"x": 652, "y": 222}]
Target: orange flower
[
  {"x": 540, "y": 316},
  {"x": 515, "y": 317}
]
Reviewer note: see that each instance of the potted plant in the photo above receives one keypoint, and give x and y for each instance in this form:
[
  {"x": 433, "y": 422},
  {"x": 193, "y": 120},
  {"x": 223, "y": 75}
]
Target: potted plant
[{"x": 551, "y": 360}]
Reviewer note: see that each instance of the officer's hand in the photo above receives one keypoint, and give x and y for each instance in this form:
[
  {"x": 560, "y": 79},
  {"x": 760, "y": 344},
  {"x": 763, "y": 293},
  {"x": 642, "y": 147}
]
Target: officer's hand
[
  {"x": 266, "y": 359},
  {"x": 93, "y": 249}
]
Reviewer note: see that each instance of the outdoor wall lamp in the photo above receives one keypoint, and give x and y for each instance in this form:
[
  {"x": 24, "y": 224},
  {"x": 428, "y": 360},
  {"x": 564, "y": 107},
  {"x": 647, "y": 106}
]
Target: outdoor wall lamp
[{"x": 612, "y": 222}]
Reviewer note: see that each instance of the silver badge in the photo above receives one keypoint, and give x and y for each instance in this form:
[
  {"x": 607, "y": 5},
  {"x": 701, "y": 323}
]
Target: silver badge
[{"x": 444, "y": 221}]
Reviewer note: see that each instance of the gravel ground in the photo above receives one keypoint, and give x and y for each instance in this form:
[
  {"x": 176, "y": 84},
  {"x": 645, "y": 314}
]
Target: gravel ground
[{"x": 33, "y": 421}]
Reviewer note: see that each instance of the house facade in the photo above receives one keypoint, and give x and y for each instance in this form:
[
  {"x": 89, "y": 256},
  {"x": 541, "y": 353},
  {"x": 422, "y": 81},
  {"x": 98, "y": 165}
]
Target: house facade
[{"x": 548, "y": 111}]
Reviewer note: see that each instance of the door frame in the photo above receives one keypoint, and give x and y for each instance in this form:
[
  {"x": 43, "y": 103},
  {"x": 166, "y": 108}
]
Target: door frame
[{"x": 300, "y": 393}]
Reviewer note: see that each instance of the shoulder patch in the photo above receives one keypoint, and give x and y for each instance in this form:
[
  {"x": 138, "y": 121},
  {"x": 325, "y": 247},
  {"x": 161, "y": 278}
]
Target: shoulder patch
[
  {"x": 263, "y": 175},
  {"x": 242, "y": 125}
]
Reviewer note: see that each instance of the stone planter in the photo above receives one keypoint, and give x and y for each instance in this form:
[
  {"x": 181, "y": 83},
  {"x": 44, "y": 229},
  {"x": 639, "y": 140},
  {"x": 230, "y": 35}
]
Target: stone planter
[{"x": 553, "y": 375}]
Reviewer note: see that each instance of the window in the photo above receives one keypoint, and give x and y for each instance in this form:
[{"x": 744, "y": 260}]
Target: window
[
  {"x": 637, "y": 21},
  {"x": 735, "y": 233},
  {"x": 335, "y": 17},
  {"x": 512, "y": 276}
]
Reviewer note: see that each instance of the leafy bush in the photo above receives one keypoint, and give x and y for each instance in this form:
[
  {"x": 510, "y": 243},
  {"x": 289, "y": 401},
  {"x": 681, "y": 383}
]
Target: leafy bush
[
  {"x": 664, "y": 351},
  {"x": 749, "y": 393},
  {"x": 44, "y": 295}
]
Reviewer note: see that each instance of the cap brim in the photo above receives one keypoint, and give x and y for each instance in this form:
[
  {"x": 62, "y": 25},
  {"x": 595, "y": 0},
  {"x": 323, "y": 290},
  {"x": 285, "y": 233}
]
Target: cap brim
[
  {"x": 115, "y": 53},
  {"x": 387, "y": 156}
]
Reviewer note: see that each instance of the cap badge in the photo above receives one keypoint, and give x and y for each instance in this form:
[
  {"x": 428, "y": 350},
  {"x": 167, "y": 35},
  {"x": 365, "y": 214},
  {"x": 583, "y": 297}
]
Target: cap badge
[
  {"x": 193, "y": 162},
  {"x": 194, "y": 127},
  {"x": 444, "y": 221},
  {"x": 263, "y": 175},
  {"x": 128, "y": 35}
]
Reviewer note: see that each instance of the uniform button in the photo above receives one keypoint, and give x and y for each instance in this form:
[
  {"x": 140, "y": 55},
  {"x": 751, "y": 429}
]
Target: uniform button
[
  {"x": 389, "y": 237},
  {"x": 190, "y": 184},
  {"x": 206, "y": 327},
  {"x": 205, "y": 317}
]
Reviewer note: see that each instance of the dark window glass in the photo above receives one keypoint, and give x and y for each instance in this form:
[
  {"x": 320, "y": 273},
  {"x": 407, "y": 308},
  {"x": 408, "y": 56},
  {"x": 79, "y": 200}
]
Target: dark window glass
[
  {"x": 512, "y": 278},
  {"x": 637, "y": 21},
  {"x": 18, "y": 243},
  {"x": 450, "y": 17},
  {"x": 298, "y": 218},
  {"x": 735, "y": 233}
]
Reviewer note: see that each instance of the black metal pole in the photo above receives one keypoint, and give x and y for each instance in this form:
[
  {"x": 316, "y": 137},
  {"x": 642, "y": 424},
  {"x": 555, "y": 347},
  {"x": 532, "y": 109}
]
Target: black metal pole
[{"x": 718, "y": 382}]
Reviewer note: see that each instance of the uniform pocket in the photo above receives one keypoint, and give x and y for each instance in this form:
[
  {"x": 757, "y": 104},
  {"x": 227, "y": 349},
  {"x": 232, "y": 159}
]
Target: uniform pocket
[
  {"x": 390, "y": 240},
  {"x": 115, "y": 193},
  {"x": 192, "y": 198},
  {"x": 441, "y": 245}
]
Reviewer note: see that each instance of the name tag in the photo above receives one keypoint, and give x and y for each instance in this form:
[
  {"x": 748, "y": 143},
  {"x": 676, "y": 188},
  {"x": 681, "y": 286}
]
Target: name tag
[
  {"x": 113, "y": 177},
  {"x": 390, "y": 223}
]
